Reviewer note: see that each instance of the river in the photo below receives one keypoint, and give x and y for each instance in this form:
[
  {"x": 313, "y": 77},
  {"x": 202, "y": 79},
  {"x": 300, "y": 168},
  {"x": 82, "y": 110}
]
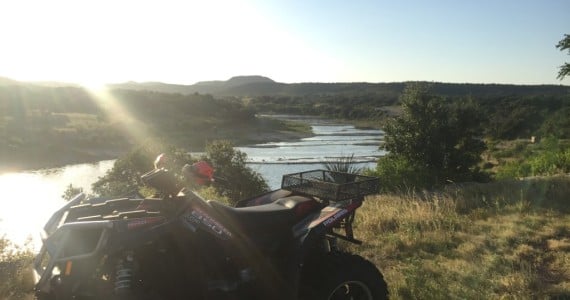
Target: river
[
  {"x": 331, "y": 142},
  {"x": 29, "y": 198}
]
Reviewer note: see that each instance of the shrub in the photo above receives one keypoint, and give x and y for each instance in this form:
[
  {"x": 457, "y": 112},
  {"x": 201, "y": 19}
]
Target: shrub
[
  {"x": 432, "y": 142},
  {"x": 240, "y": 181},
  {"x": 125, "y": 176},
  {"x": 397, "y": 174},
  {"x": 547, "y": 162},
  {"x": 15, "y": 274},
  {"x": 345, "y": 164}
]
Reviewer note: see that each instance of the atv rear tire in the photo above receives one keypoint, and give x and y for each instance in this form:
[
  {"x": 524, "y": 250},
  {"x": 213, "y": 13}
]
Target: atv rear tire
[{"x": 344, "y": 276}]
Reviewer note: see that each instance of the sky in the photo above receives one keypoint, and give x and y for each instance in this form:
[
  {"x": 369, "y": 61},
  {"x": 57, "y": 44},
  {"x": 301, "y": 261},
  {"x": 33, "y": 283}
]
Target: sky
[{"x": 183, "y": 42}]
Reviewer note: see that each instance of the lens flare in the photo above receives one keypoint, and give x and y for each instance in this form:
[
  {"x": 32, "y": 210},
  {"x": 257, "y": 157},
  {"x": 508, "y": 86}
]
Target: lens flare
[{"x": 134, "y": 129}]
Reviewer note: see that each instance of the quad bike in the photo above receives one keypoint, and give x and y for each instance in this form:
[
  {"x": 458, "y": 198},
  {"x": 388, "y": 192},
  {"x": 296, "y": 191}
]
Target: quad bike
[{"x": 279, "y": 245}]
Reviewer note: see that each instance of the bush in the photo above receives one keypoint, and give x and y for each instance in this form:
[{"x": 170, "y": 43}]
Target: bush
[
  {"x": 397, "y": 174},
  {"x": 432, "y": 142},
  {"x": 15, "y": 274},
  {"x": 345, "y": 164},
  {"x": 125, "y": 176},
  {"x": 240, "y": 181},
  {"x": 551, "y": 161}
]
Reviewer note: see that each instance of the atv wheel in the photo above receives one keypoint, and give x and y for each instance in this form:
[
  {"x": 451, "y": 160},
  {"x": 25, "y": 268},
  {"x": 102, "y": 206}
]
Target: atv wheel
[{"x": 345, "y": 276}]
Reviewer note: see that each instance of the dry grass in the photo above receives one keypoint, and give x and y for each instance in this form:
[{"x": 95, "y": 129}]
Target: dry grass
[
  {"x": 504, "y": 240},
  {"x": 16, "y": 280}
]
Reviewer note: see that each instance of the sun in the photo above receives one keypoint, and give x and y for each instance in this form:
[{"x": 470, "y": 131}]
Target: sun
[{"x": 93, "y": 85}]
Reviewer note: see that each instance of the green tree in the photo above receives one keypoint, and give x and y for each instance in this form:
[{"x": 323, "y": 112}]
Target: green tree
[
  {"x": 239, "y": 181},
  {"x": 433, "y": 141},
  {"x": 125, "y": 176},
  {"x": 230, "y": 164},
  {"x": 70, "y": 192},
  {"x": 562, "y": 45}
]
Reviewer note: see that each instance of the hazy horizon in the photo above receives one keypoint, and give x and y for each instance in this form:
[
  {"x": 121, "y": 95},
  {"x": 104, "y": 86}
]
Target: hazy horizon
[{"x": 55, "y": 82}]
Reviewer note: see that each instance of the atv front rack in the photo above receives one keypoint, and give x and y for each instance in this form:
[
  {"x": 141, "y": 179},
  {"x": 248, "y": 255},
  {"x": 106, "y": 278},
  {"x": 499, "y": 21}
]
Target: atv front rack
[
  {"x": 56, "y": 235},
  {"x": 331, "y": 186}
]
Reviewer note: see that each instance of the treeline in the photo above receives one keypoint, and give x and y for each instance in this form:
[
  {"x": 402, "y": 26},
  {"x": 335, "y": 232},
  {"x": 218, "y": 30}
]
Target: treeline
[
  {"x": 27, "y": 100},
  {"x": 363, "y": 106},
  {"x": 175, "y": 112},
  {"x": 257, "y": 86},
  {"x": 24, "y": 100},
  {"x": 503, "y": 116},
  {"x": 524, "y": 116}
]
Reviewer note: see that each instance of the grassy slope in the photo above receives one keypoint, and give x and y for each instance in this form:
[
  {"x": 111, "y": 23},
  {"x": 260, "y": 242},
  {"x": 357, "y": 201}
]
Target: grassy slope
[{"x": 505, "y": 240}]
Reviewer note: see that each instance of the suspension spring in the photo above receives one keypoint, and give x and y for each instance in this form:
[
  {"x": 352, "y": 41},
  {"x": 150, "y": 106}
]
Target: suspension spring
[{"x": 124, "y": 274}]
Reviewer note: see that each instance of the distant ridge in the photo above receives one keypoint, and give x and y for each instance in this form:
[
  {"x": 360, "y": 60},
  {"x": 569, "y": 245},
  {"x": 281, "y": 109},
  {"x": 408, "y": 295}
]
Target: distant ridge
[
  {"x": 240, "y": 86},
  {"x": 237, "y": 80},
  {"x": 256, "y": 85},
  {"x": 7, "y": 81}
]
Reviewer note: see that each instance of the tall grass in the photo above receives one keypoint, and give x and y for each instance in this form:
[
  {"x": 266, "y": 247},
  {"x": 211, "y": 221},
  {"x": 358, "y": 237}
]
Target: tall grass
[
  {"x": 504, "y": 240},
  {"x": 345, "y": 164},
  {"x": 16, "y": 280}
]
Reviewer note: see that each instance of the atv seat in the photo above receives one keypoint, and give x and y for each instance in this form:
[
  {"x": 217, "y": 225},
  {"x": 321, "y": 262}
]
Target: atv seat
[{"x": 280, "y": 215}]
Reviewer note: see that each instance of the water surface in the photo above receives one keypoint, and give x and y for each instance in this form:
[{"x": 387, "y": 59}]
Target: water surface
[
  {"x": 29, "y": 198},
  {"x": 331, "y": 142}
]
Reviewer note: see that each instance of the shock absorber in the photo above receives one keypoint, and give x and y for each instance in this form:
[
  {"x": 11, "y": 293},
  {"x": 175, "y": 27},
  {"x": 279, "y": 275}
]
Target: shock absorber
[{"x": 124, "y": 273}]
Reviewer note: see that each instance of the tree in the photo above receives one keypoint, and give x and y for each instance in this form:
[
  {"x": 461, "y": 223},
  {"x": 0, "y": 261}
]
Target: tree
[
  {"x": 240, "y": 181},
  {"x": 230, "y": 164},
  {"x": 564, "y": 44},
  {"x": 71, "y": 192},
  {"x": 433, "y": 141},
  {"x": 125, "y": 176}
]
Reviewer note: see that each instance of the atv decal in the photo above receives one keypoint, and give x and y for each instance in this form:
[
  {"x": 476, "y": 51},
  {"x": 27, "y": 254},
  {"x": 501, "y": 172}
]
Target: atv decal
[
  {"x": 189, "y": 220},
  {"x": 142, "y": 222},
  {"x": 339, "y": 215},
  {"x": 331, "y": 215},
  {"x": 326, "y": 213},
  {"x": 200, "y": 218}
]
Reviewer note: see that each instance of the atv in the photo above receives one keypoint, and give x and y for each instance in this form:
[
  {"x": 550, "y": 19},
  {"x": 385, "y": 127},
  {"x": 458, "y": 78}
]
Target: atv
[{"x": 278, "y": 245}]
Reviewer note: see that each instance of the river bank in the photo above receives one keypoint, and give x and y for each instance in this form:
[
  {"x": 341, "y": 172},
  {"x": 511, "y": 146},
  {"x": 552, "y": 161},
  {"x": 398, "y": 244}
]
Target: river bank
[{"x": 44, "y": 154}]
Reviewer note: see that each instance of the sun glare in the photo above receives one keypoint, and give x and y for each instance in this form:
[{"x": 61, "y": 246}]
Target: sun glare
[
  {"x": 95, "y": 86},
  {"x": 119, "y": 114}
]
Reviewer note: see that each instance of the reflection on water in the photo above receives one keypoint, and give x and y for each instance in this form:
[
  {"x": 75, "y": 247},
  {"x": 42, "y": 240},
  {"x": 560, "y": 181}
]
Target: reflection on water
[{"x": 29, "y": 198}]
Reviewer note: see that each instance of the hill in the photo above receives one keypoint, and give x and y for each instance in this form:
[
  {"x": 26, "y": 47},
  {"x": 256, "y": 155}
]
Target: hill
[
  {"x": 253, "y": 86},
  {"x": 256, "y": 86},
  {"x": 216, "y": 88}
]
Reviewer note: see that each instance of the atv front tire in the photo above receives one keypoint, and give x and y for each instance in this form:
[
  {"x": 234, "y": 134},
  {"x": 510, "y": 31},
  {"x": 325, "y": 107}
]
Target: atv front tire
[{"x": 344, "y": 276}]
